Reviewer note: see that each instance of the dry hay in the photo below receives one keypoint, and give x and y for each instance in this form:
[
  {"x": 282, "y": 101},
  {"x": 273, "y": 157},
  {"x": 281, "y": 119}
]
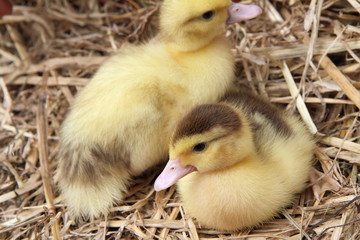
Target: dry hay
[{"x": 308, "y": 51}]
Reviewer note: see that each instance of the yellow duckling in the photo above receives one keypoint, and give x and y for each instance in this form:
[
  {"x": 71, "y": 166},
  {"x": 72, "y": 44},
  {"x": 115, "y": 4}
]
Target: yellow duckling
[
  {"x": 121, "y": 123},
  {"x": 243, "y": 161}
]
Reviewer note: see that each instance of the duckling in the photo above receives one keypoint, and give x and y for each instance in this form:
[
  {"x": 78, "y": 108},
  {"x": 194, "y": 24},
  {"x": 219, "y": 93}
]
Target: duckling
[
  {"x": 239, "y": 162},
  {"x": 120, "y": 124}
]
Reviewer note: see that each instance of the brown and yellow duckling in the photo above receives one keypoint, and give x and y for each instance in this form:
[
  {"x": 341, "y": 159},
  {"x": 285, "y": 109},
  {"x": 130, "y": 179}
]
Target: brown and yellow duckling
[{"x": 239, "y": 162}]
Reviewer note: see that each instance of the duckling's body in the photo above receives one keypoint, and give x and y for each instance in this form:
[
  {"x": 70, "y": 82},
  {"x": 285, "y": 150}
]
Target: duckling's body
[
  {"x": 121, "y": 123},
  {"x": 252, "y": 165}
]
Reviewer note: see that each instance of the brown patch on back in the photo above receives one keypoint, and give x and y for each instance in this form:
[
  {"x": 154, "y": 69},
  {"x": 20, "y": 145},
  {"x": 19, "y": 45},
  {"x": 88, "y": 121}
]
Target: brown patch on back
[
  {"x": 89, "y": 163},
  {"x": 113, "y": 154},
  {"x": 252, "y": 104},
  {"x": 204, "y": 117}
]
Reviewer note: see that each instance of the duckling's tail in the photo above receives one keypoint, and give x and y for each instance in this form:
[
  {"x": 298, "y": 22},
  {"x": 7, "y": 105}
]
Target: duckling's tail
[{"x": 90, "y": 180}]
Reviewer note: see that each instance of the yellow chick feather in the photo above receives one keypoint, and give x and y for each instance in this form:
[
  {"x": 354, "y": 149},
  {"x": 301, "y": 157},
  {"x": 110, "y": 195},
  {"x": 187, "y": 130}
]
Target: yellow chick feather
[
  {"x": 251, "y": 161},
  {"x": 120, "y": 124}
]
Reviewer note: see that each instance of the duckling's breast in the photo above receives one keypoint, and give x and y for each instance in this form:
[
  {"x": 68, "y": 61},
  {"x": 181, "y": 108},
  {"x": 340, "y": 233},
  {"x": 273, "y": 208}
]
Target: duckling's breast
[{"x": 235, "y": 198}]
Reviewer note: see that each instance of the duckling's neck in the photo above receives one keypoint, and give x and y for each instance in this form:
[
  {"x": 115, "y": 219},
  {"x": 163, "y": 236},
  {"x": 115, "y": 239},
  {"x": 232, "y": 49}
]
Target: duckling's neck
[
  {"x": 186, "y": 46},
  {"x": 248, "y": 162},
  {"x": 250, "y": 159},
  {"x": 214, "y": 54},
  {"x": 236, "y": 150},
  {"x": 240, "y": 148}
]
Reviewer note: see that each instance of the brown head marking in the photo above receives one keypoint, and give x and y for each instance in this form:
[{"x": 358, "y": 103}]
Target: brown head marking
[{"x": 204, "y": 117}]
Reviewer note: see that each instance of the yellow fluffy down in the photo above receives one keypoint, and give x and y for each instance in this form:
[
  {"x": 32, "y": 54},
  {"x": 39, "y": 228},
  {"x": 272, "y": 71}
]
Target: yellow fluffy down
[
  {"x": 263, "y": 165},
  {"x": 121, "y": 122}
]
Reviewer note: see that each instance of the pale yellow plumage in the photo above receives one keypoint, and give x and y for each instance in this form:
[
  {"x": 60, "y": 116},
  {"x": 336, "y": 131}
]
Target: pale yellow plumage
[
  {"x": 120, "y": 123},
  {"x": 247, "y": 171}
]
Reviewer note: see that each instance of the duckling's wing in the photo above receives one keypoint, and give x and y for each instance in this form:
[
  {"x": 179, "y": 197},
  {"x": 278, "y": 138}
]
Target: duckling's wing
[{"x": 101, "y": 146}]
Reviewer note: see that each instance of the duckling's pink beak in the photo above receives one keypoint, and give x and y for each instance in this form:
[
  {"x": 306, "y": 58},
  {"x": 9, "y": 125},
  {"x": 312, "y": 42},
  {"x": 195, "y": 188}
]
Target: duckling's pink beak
[
  {"x": 172, "y": 172},
  {"x": 241, "y": 12}
]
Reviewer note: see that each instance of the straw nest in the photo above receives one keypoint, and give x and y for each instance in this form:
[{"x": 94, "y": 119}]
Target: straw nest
[{"x": 302, "y": 54}]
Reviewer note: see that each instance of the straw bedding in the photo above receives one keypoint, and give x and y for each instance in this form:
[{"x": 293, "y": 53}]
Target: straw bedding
[{"x": 303, "y": 55}]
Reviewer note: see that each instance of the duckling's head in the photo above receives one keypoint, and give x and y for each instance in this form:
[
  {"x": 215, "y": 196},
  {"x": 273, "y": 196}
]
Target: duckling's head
[
  {"x": 188, "y": 25},
  {"x": 212, "y": 137}
]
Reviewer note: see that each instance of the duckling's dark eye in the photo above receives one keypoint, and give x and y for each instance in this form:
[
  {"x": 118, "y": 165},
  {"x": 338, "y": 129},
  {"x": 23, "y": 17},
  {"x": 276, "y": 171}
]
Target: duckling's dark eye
[
  {"x": 199, "y": 147},
  {"x": 208, "y": 15}
]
